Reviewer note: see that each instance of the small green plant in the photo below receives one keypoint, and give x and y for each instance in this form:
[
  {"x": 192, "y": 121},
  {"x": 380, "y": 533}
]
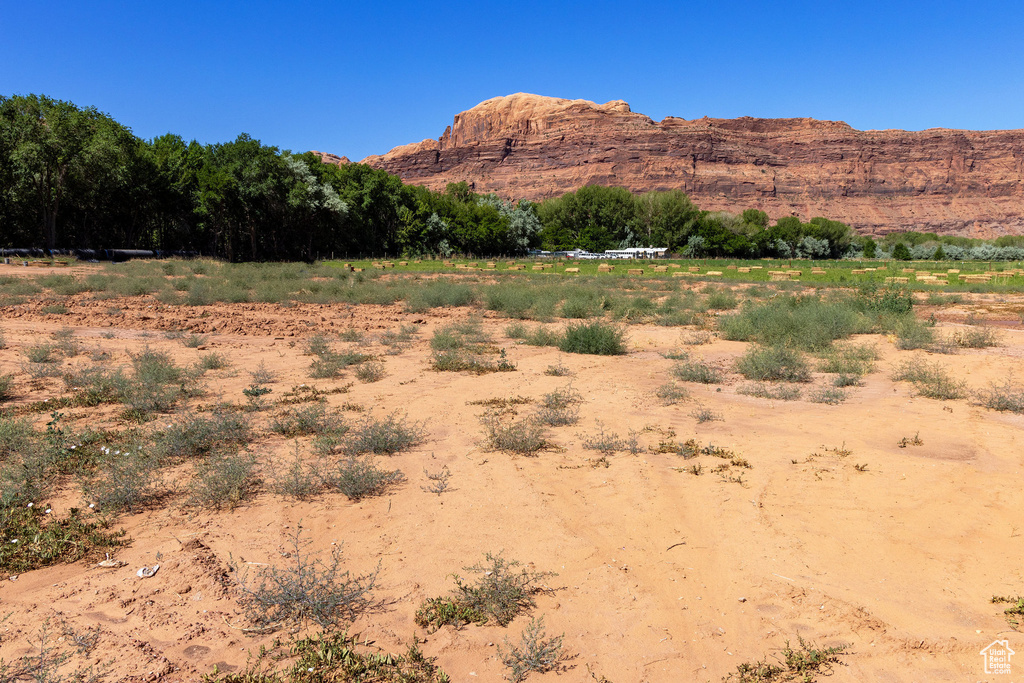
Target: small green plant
[
  {"x": 34, "y": 537},
  {"x": 6, "y": 387},
  {"x": 308, "y": 420},
  {"x": 929, "y": 379},
  {"x": 777, "y": 392},
  {"x": 196, "y": 436},
  {"x": 828, "y": 395},
  {"x": 911, "y": 334},
  {"x": 333, "y": 657},
  {"x": 350, "y": 334},
  {"x": 519, "y": 437},
  {"x": 194, "y": 341},
  {"x": 914, "y": 440},
  {"x": 976, "y": 338},
  {"x": 53, "y": 660},
  {"x": 370, "y": 372},
  {"x": 41, "y": 353},
  {"x": 305, "y": 590},
  {"x": 773, "y": 364},
  {"x": 1005, "y": 397},
  {"x": 703, "y": 414},
  {"x": 502, "y": 590},
  {"x": 1015, "y": 612},
  {"x": 696, "y": 370},
  {"x": 603, "y": 441},
  {"x": 560, "y": 407},
  {"x": 671, "y": 393},
  {"x": 262, "y": 374},
  {"x": 803, "y": 664},
  {"x": 596, "y": 337},
  {"x": 386, "y": 436},
  {"x": 438, "y": 480},
  {"x": 213, "y": 361},
  {"x": 359, "y": 479},
  {"x": 254, "y": 393},
  {"x": 535, "y": 652},
  {"x": 558, "y": 370},
  {"x": 301, "y": 479},
  {"x": 223, "y": 481},
  {"x": 125, "y": 481}
]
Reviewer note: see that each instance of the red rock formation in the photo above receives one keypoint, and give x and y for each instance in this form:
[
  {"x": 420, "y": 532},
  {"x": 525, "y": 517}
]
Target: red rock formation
[{"x": 527, "y": 146}]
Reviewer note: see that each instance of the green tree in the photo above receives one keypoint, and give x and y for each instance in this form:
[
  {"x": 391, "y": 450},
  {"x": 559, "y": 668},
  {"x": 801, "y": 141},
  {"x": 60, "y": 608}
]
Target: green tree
[{"x": 900, "y": 252}]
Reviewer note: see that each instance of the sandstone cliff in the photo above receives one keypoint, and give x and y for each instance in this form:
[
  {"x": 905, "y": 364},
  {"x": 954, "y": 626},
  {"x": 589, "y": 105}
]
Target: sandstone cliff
[{"x": 527, "y": 146}]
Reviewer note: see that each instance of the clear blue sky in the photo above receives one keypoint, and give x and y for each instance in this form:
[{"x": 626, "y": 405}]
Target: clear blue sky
[{"x": 360, "y": 78}]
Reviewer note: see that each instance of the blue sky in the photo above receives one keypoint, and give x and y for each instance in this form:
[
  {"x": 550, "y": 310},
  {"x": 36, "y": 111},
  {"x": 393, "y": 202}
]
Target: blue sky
[{"x": 360, "y": 78}]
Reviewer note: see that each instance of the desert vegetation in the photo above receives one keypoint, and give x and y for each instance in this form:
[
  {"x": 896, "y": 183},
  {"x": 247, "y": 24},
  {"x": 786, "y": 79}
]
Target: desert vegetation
[{"x": 425, "y": 456}]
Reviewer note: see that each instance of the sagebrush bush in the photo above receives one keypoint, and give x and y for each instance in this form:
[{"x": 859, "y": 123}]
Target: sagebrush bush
[
  {"x": 520, "y": 437},
  {"x": 534, "y": 652},
  {"x": 306, "y": 590},
  {"x": 502, "y": 590},
  {"x": 308, "y": 420},
  {"x": 123, "y": 482},
  {"x": 695, "y": 370},
  {"x": 778, "y": 392},
  {"x": 929, "y": 379},
  {"x": 560, "y": 407},
  {"x": 358, "y": 479},
  {"x": 1006, "y": 397},
  {"x": 386, "y": 436},
  {"x": 773, "y": 364},
  {"x": 223, "y": 481},
  {"x": 302, "y": 478},
  {"x": 596, "y": 337},
  {"x": 198, "y": 435}
]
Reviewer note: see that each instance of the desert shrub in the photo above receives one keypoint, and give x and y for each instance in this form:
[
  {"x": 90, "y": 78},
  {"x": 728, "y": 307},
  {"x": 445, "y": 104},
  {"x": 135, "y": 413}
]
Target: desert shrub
[
  {"x": 911, "y": 334},
  {"x": 6, "y": 387},
  {"x": 213, "y": 361},
  {"x": 829, "y": 395},
  {"x": 93, "y": 386},
  {"x": 671, "y": 393},
  {"x": 773, "y": 364},
  {"x": 459, "y": 360},
  {"x": 26, "y": 478},
  {"x": 777, "y": 392},
  {"x": 467, "y": 333},
  {"x": 542, "y": 336},
  {"x": 560, "y": 407},
  {"x": 223, "y": 481},
  {"x": 194, "y": 341},
  {"x": 696, "y": 370},
  {"x": 157, "y": 383},
  {"x": 302, "y": 478},
  {"x": 704, "y": 414},
  {"x": 929, "y": 379},
  {"x": 329, "y": 365},
  {"x": 535, "y": 652},
  {"x": 123, "y": 482},
  {"x": 697, "y": 338},
  {"x": 318, "y": 345},
  {"x": 514, "y": 300},
  {"x": 596, "y": 337},
  {"x": 370, "y": 372},
  {"x": 334, "y": 657},
  {"x": 976, "y": 338},
  {"x": 400, "y": 337},
  {"x": 3, "y": 339},
  {"x": 558, "y": 370},
  {"x": 503, "y": 589},
  {"x": 33, "y": 539},
  {"x": 196, "y": 436},
  {"x": 1006, "y": 397},
  {"x": 516, "y": 330},
  {"x": 263, "y": 375},
  {"x": 849, "y": 359},
  {"x": 519, "y": 437},
  {"x": 804, "y": 664},
  {"x": 305, "y": 590},
  {"x": 308, "y": 420},
  {"x": 603, "y": 441},
  {"x": 809, "y": 323},
  {"x": 579, "y": 305},
  {"x": 359, "y": 479},
  {"x": 41, "y": 353},
  {"x": 387, "y": 436}
]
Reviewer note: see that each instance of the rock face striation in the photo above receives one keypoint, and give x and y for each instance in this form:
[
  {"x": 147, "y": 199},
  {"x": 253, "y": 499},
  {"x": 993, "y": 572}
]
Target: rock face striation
[{"x": 525, "y": 146}]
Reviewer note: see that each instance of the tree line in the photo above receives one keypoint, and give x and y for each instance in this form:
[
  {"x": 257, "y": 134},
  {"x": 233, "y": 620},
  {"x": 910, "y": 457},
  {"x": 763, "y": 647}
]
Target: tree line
[{"x": 73, "y": 177}]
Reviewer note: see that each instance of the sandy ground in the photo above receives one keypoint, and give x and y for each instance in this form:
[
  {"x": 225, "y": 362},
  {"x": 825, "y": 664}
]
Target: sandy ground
[{"x": 661, "y": 575}]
